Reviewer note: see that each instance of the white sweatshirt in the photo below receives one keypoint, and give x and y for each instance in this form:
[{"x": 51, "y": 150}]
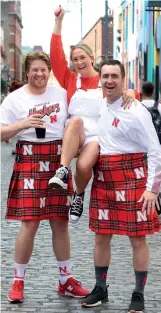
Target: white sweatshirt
[{"x": 131, "y": 131}]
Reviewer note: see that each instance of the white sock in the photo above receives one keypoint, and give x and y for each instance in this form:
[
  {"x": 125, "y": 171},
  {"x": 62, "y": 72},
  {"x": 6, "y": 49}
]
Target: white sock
[
  {"x": 65, "y": 270},
  {"x": 19, "y": 271}
]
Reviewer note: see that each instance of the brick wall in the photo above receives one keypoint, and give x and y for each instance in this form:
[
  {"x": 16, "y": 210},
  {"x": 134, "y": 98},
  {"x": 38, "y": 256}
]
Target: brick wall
[
  {"x": 95, "y": 38},
  {"x": 12, "y": 26}
]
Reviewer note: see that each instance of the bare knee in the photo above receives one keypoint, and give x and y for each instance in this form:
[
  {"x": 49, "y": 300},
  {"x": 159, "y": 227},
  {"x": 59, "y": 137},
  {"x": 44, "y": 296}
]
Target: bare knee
[
  {"x": 138, "y": 242},
  {"x": 59, "y": 228},
  {"x": 85, "y": 164},
  {"x": 76, "y": 123},
  {"x": 29, "y": 227},
  {"x": 102, "y": 240},
  {"x": 83, "y": 167}
]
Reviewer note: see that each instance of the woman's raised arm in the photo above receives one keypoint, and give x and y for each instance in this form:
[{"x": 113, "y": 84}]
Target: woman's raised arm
[{"x": 58, "y": 60}]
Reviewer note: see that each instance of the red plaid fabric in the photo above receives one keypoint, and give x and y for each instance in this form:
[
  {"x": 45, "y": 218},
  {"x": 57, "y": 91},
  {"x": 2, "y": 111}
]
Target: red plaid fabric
[
  {"x": 29, "y": 197},
  {"x": 118, "y": 184}
]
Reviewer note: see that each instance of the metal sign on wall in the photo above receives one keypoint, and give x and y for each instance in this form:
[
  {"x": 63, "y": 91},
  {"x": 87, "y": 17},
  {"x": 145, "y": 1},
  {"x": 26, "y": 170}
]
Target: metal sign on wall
[{"x": 154, "y": 3}]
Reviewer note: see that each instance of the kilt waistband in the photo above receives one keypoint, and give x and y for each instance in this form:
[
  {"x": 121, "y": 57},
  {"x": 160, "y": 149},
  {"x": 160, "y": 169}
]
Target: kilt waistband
[
  {"x": 37, "y": 145},
  {"x": 122, "y": 157},
  {"x": 119, "y": 161},
  {"x": 37, "y": 150}
]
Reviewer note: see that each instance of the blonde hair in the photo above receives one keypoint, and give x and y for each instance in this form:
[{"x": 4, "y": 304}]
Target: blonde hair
[{"x": 84, "y": 47}]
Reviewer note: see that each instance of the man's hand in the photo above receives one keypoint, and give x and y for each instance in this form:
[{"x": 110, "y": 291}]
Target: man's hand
[
  {"x": 59, "y": 13},
  {"x": 33, "y": 121},
  {"x": 150, "y": 201},
  {"x": 128, "y": 98}
]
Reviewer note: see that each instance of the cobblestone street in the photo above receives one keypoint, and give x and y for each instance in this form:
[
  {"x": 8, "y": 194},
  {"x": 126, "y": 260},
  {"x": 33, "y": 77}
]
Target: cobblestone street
[{"x": 42, "y": 274}]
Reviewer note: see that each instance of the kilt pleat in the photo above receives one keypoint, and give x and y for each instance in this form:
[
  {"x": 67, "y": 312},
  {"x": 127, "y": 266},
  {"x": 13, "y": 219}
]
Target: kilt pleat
[
  {"x": 119, "y": 181},
  {"x": 29, "y": 197}
]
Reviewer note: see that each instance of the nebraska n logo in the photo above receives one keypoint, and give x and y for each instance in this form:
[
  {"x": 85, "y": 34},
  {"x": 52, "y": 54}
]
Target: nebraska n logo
[
  {"x": 115, "y": 122},
  {"x": 70, "y": 288},
  {"x": 53, "y": 118},
  {"x": 63, "y": 269}
]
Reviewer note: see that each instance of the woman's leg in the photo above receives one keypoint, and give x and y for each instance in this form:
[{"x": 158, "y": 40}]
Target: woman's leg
[
  {"x": 73, "y": 139},
  {"x": 86, "y": 160}
]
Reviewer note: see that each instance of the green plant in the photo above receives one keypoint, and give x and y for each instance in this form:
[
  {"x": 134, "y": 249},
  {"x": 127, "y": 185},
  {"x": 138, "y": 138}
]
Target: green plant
[{"x": 4, "y": 86}]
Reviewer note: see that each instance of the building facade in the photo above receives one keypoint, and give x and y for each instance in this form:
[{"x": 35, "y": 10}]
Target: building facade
[
  {"x": 138, "y": 45},
  {"x": 95, "y": 37},
  {"x": 11, "y": 22}
]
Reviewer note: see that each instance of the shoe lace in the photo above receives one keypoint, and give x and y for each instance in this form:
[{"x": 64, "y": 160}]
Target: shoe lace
[
  {"x": 77, "y": 205},
  {"x": 61, "y": 172},
  {"x": 17, "y": 286}
]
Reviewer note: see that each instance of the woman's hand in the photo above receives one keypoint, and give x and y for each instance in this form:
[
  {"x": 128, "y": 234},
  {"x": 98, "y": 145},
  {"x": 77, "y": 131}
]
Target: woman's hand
[
  {"x": 150, "y": 201},
  {"x": 33, "y": 121},
  {"x": 8, "y": 142},
  {"x": 59, "y": 13},
  {"x": 128, "y": 98}
]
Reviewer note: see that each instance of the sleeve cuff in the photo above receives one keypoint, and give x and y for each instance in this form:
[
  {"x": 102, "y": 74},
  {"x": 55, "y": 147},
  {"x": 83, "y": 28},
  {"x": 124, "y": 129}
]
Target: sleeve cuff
[{"x": 154, "y": 190}]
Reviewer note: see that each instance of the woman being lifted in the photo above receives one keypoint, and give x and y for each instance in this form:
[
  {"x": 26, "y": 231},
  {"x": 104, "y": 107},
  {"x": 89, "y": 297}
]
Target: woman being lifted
[{"x": 84, "y": 96}]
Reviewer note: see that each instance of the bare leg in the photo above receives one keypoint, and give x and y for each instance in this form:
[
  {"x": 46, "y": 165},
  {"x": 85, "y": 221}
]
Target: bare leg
[
  {"x": 25, "y": 241},
  {"x": 61, "y": 247},
  {"x": 23, "y": 250},
  {"x": 140, "y": 253},
  {"x": 86, "y": 160},
  {"x": 60, "y": 239},
  {"x": 73, "y": 139},
  {"x": 102, "y": 250}
]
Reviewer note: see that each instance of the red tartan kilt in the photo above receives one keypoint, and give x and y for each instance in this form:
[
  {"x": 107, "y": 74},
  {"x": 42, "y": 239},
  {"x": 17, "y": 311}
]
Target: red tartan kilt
[
  {"x": 29, "y": 197},
  {"x": 116, "y": 189}
]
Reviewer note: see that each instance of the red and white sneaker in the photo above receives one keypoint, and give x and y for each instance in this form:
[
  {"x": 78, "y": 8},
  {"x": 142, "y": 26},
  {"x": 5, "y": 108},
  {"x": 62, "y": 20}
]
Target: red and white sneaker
[
  {"x": 72, "y": 288},
  {"x": 16, "y": 293}
]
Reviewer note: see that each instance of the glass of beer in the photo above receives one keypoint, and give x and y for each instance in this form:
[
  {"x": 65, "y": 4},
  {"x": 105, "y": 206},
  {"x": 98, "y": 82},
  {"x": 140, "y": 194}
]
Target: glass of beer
[{"x": 41, "y": 132}]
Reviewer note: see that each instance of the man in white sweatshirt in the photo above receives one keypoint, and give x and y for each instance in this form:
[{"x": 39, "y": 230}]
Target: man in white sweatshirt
[
  {"x": 124, "y": 193},
  {"x": 36, "y": 114}
]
